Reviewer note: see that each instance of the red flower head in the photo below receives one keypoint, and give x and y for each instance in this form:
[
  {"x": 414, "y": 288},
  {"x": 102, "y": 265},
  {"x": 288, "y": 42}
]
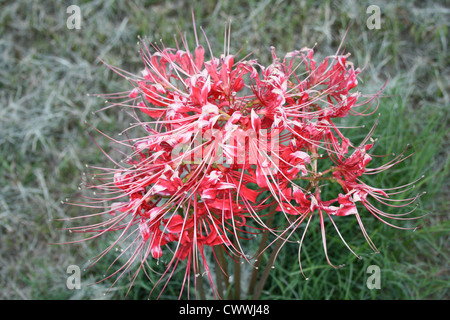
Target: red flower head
[{"x": 223, "y": 141}]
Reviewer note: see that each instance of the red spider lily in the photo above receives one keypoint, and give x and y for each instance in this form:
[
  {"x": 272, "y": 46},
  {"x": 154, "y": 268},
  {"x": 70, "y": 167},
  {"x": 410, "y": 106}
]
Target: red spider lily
[{"x": 225, "y": 140}]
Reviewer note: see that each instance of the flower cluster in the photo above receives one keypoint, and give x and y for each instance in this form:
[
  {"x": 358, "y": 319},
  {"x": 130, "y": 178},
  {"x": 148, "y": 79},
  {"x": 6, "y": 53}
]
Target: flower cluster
[{"x": 228, "y": 143}]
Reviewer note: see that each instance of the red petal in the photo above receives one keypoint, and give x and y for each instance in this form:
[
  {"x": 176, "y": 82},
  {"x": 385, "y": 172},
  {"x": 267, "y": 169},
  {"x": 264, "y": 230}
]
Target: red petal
[{"x": 199, "y": 57}]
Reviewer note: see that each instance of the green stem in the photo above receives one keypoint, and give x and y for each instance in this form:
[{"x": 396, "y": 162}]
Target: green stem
[
  {"x": 237, "y": 280},
  {"x": 265, "y": 275},
  {"x": 262, "y": 244},
  {"x": 223, "y": 264},
  {"x": 201, "y": 289},
  {"x": 199, "y": 284},
  {"x": 219, "y": 274},
  {"x": 237, "y": 274}
]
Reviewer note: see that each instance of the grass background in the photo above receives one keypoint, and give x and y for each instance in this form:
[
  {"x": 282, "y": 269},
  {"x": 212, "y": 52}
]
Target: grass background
[{"x": 46, "y": 70}]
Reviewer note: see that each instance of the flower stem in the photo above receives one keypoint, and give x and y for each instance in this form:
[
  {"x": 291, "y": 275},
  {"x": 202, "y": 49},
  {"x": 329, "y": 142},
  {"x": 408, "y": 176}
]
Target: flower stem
[
  {"x": 223, "y": 268},
  {"x": 201, "y": 289},
  {"x": 237, "y": 275},
  {"x": 265, "y": 275},
  {"x": 262, "y": 244},
  {"x": 199, "y": 284},
  {"x": 219, "y": 274}
]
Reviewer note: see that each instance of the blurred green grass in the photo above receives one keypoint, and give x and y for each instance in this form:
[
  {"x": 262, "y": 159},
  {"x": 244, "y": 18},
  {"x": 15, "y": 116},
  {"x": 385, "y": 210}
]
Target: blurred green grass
[{"x": 46, "y": 70}]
